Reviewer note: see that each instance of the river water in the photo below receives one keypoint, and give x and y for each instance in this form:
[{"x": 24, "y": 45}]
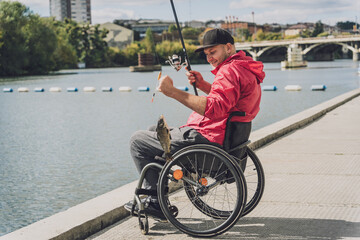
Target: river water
[{"x": 60, "y": 149}]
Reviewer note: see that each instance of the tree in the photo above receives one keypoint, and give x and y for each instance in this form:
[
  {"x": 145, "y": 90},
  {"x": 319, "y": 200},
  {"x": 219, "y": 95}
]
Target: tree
[
  {"x": 260, "y": 35},
  {"x": 191, "y": 33},
  {"x": 319, "y": 28},
  {"x": 98, "y": 48},
  {"x": 306, "y": 33},
  {"x": 88, "y": 42},
  {"x": 13, "y": 18},
  {"x": 41, "y": 42},
  {"x": 28, "y": 41},
  {"x": 346, "y": 25},
  {"x": 65, "y": 55},
  {"x": 149, "y": 41}
]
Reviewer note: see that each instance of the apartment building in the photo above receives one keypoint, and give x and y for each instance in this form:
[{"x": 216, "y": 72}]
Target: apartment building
[{"x": 77, "y": 10}]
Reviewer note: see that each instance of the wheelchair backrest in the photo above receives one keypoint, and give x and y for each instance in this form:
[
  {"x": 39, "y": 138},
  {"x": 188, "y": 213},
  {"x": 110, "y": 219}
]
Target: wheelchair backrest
[{"x": 236, "y": 135}]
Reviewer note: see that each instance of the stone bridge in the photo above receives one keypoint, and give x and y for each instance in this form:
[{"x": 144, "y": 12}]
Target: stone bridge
[{"x": 259, "y": 48}]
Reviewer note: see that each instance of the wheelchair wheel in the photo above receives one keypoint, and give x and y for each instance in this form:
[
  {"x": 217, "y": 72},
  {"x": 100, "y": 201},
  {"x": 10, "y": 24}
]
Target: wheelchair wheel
[
  {"x": 255, "y": 180},
  {"x": 213, "y": 193},
  {"x": 255, "y": 183}
]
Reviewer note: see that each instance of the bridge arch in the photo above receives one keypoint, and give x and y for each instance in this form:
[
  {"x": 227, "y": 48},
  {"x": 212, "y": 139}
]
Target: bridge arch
[
  {"x": 262, "y": 51},
  {"x": 306, "y": 50}
]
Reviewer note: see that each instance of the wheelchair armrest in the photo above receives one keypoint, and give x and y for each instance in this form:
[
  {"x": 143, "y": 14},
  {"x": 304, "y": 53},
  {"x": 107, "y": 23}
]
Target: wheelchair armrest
[
  {"x": 241, "y": 146},
  {"x": 235, "y": 114}
]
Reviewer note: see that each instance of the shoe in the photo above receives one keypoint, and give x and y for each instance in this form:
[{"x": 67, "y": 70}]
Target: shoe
[
  {"x": 152, "y": 209},
  {"x": 128, "y": 206}
]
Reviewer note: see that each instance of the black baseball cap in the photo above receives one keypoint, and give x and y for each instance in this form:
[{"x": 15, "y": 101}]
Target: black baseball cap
[{"x": 215, "y": 37}]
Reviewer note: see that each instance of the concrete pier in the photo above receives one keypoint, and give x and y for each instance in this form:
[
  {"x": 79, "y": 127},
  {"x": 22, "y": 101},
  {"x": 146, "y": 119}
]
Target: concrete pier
[{"x": 312, "y": 169}]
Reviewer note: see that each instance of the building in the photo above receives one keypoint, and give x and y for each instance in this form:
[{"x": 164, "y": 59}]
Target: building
[
  {"x": 156, "y": 26},
  {"x": 196, "y": 24},
  {"x": 295, "y": 30},
  {"x": 214, "y": 24},
  {"x": 233, "y": 27},
  {"x": 77, "y": 10},
  {"x": 118, "y": 36}
]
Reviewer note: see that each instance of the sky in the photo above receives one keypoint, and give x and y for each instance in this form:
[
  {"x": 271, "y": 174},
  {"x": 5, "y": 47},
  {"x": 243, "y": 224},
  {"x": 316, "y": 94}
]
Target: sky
[{"x": 265, "y": 11}]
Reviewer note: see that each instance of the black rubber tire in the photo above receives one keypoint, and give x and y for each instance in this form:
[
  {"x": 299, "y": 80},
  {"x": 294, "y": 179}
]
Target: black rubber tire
[
  {"x": 255, "y": 181},
  {"x": 199, "y": 214}
]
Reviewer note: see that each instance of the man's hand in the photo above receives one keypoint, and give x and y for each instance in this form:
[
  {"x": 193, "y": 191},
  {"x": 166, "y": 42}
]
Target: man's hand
[
  {"x": 196, "y": 77},
  {"x": 166, "y": 85},
  {"x": 196, "y": 103}
]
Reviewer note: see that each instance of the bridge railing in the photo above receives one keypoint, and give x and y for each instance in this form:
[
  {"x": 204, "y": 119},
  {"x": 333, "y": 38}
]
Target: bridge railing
[{"x": 301, "y": 40}]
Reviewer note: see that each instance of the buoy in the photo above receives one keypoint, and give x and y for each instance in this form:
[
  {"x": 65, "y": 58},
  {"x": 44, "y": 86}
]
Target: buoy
[
  {"x": 143, "y": 89},
  {"x": 39, "y": 89},
  {"x": 183, "y": 88},
  {"x": 55, "y": 89},
  {"x": 106, "y": 89},
  {"x": 72, "y": 89},
  {"x": 89, "y": 89},
  {"x": 293, "y": 88},
  {"x": 318, "y": 87},
  {"x": 269, "y": 88},
  {"x": 8, "y": 90},
  {"x": 23, "y": 89},
  {"x": 125, "y": 89}
]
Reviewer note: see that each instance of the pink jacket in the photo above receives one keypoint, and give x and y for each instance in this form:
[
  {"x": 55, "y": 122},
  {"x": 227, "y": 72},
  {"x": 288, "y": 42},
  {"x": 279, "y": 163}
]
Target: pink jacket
[{"x": 236, "y": 87}]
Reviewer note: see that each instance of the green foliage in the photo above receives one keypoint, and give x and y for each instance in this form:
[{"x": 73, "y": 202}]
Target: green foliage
[
  {"x": 117, "y": 57},
  {"x": 191, "y": 33},
  {"x": 168, "y": 48},
  {"x": 41, "y": 42},
  {"x": 323, "y": 34},
  {"x": 292, "y": 36},
  {"x": 267, "y": 36},
  {"x": 131, "y": 53},
  {"x": 260, "y": 35},
  {"x": 13, "y": 19},
  {"x": 149, "y": 41},
  {"x": 172, "y": 28},
  {"x": 65, "y": 55},
  {"x": 244, "y": 34},
  {"x": 319, "y": 28},
  {"x": 306, "y": 33},
  {"x": 273, "y": 36},
  {"x": 348, "y": 25},
  {"x": 95, "y": 48}
]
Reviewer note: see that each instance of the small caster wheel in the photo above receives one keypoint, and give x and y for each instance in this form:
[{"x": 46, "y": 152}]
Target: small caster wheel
[
  {"x": 174, "y": 210},
  {"x": 143, "y": 223}
]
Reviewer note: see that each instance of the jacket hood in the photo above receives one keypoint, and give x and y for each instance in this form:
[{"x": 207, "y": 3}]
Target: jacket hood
[{"x": 256, "y": 67}]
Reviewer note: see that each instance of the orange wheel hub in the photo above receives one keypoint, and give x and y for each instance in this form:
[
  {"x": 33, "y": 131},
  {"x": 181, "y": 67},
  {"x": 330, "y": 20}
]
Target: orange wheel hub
[
  {"x": 203, "y": 181},
  {"x": 178, "y": 174}
]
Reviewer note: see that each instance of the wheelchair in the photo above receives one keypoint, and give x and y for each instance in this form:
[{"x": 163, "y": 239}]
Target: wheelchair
[{"x": 205, "y": 189}]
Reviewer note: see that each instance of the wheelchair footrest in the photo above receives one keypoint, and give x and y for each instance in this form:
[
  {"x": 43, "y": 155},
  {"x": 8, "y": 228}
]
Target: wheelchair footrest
[{"x": 148, "y": 192}]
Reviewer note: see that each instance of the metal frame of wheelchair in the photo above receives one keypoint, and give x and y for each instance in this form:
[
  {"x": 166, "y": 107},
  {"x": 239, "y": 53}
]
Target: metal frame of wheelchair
[{"x": 204, "y": 190}]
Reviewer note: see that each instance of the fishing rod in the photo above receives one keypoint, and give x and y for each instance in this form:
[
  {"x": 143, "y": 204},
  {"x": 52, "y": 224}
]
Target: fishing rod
[{"x": 183, "y": 44}]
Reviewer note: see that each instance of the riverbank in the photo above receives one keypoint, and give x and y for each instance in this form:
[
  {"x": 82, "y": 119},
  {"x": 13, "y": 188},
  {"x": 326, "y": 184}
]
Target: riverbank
[{"x": 90, "y": 217}]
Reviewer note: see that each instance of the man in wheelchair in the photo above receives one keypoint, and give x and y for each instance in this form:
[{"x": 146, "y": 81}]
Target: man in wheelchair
[{"x": 236, "y": 88}]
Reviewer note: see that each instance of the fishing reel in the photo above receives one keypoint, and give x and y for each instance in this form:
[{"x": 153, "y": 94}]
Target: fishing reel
[{"x": 175, "y": 62}]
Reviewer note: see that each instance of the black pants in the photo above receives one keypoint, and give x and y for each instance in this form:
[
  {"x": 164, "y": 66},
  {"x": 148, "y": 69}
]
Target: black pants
[{"x": 144, "y": 147}]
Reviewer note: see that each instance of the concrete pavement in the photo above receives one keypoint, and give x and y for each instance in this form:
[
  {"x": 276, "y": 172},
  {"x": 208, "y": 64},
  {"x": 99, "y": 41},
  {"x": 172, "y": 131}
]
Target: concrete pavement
[{"x": 311, "y": 192}]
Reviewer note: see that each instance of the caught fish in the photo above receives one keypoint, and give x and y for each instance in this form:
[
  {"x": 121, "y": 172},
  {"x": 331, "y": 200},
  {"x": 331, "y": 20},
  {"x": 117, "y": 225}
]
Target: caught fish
[{"x": 163, "y": 134}]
